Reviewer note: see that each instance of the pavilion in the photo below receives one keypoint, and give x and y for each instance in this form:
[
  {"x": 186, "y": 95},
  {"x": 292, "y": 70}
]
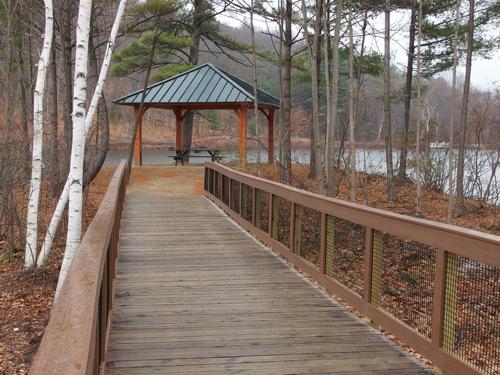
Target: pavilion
[{"x": 203, "y": 87}]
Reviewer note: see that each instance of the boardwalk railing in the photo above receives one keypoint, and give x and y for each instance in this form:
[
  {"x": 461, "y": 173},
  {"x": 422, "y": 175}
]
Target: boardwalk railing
[
  {"x": 75, "y": 338},
  {"x": 432, "y": 285}
]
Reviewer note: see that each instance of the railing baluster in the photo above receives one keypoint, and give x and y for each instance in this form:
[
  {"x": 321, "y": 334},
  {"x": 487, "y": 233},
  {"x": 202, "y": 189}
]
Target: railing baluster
[{"x": 368, "y": 277}]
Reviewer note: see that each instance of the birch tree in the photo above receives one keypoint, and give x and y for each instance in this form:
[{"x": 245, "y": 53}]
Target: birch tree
[
  {"x": 75, "y": 206},
  {"x": 330, "y": 131},
  {"x": 36, "y": 167},
  {"x": 63, "y": 199}
]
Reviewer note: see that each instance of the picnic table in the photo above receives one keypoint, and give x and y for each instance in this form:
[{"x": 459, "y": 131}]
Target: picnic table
[{"x": 182, "y": 155}]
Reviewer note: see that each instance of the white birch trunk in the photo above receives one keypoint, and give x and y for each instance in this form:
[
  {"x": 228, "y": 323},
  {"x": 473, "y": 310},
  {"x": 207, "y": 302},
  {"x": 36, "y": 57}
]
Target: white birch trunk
[
  {"x": 75, "y": 207},
  {"x": 36, "y": 167},
  {"x": 63, "y": 199}
]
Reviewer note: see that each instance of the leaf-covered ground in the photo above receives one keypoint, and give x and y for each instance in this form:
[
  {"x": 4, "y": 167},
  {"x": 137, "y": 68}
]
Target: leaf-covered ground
[{"x": 26, "y": 299}]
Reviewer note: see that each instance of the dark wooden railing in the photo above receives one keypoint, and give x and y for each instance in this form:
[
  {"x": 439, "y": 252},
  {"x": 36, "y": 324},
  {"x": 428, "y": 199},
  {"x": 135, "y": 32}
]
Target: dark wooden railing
[
  {"x": 434, "y": 286},
  {"x": 75, "y": 338}
]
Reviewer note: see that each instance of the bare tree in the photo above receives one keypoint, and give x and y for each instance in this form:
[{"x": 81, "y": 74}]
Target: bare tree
[
  {"x": 36, "y": 167},
  {"x": 391, "y": 194},
  {"x": 460, "y": 204},
  {"x": 452, "y": 113},
  {"x": 330, "y": 131}
]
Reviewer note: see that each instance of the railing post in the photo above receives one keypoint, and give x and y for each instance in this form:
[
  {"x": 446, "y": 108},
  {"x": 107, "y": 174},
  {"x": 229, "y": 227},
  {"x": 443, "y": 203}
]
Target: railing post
[
  {"x": 322, "y": 244},
  {"x": 229, "y": 193},
  {"x": 220, "y": 187},
  {"x": 367, "y": 290}
]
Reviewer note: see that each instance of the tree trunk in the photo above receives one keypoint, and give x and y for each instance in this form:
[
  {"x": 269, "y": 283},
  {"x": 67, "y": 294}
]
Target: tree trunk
[
  {"x": 36, "y": 168},
  {"x": 194, "y": 54},
  {"x": 75, "y": 207},
  {"x": 391, "y": 196},
  {"x": 287, "y": 95},
  {"x": 408, "y": 94},
  {"x": 63, "y": 199},
  {"x": 352, "y": 111},
  {"x": 65, "y": 19},
  {"x": 327, "y": 70},
  {"x": 330, "y": 132},
  {"x": 460, "y": 209},
  {"x": 419, "y": 105},
  {"x": 452, "y": 113},
  {"x": 315, "y": 57},
  {"x": 255, "y": 87},
  {"x": 54, "y": 142}
]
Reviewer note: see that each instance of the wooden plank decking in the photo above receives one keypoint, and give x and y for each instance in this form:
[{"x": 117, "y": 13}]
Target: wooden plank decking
[{"x": 197, "y": 295}]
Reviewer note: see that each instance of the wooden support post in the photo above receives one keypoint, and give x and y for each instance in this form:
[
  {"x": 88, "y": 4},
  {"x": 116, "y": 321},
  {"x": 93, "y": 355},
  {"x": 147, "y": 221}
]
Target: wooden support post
[
  {"x": 242, "y": 115},
  {"x": 270, "y": 148},
  {"x": 138, "y": 137},
  {"x": 367, "y": 290},
  {"x": 178, "y": 128}
]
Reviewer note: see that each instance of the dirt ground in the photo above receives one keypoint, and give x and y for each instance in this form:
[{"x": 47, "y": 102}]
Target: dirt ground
[
  {"x": 169, "y": 180},
  {"x": 26, "y": 299}
]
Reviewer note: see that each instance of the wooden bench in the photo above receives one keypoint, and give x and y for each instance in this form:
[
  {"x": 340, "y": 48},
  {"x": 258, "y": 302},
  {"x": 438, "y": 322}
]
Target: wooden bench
[{"x": 182, "y": 155}]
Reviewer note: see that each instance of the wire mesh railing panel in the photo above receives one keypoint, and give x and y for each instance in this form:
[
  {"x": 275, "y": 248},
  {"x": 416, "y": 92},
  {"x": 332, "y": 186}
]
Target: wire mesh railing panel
[
  {"x": 471, "y": 326},
  {"x": 403, "y": 280},
  {"x": 217, "y": 184},
  {"x": 262, "y": 210},
  {"x": 281, "y": 220},
  {"x": 345, "y": 252},
  {"x": 211, "y": 174},
  {"x": 246, "y": 202},
  {"x": 225, "y": 189},
  {"x": 307, "y": 234},
  {"x": 205, "y": 179},
  {"x": 235, "y": 196}
]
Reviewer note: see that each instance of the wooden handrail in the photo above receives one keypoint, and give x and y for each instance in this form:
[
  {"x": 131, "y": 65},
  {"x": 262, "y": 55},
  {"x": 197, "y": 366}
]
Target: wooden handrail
[
  {"x": 75, "y": 337},
  {"x": 448, "y": 241}
]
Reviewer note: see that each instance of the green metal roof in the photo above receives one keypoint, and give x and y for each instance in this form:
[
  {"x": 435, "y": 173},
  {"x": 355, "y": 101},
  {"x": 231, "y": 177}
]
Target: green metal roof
[{"x": 205, "y": 84}]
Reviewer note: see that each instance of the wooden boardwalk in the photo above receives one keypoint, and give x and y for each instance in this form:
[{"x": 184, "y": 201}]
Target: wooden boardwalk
[{"x": 197, "y": 295}]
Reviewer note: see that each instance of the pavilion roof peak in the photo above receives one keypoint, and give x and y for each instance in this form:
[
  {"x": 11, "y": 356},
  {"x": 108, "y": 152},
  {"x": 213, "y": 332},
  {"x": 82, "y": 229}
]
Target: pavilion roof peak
[{"x": 204, "y": 84}]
